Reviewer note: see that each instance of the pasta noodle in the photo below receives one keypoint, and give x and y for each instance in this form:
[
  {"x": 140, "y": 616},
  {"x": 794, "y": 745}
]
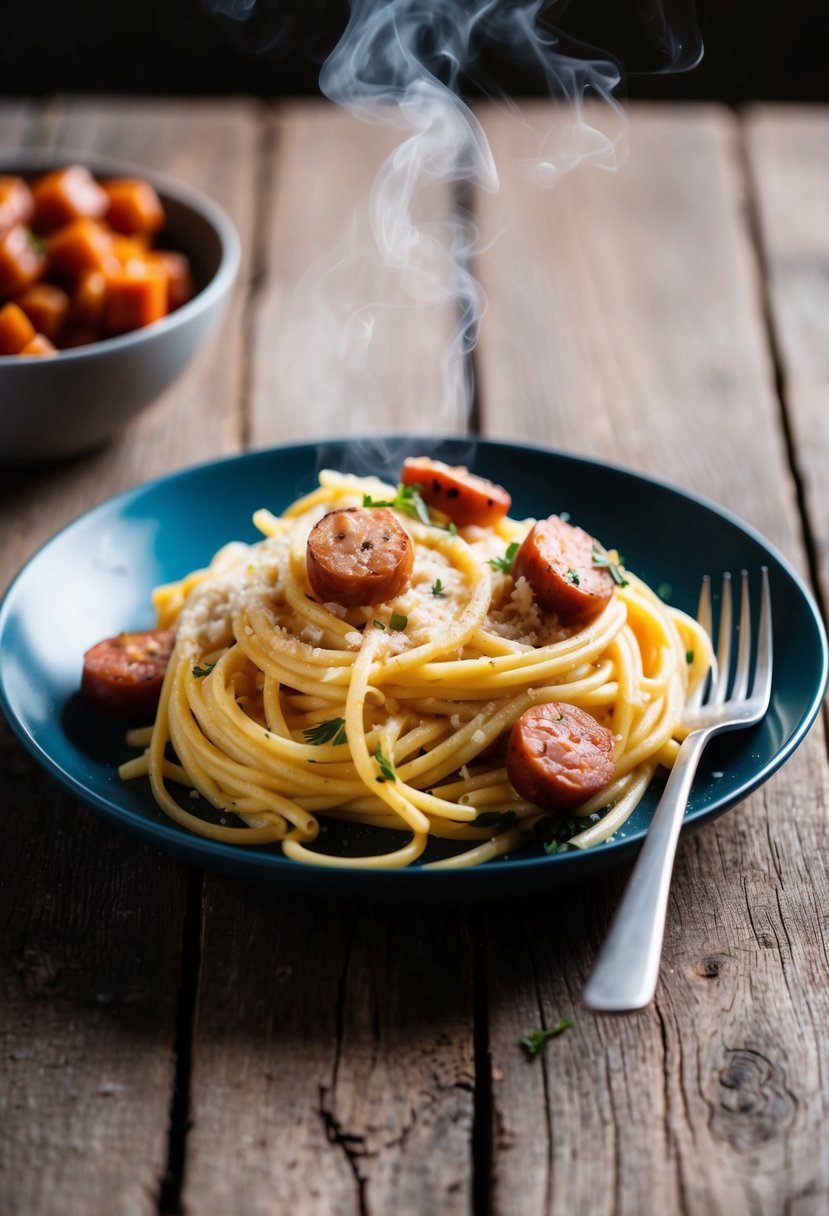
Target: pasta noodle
[{"x": 277, "y": 709}]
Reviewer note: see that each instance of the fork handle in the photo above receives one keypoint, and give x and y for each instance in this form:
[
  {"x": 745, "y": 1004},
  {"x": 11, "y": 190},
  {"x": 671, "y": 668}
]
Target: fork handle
[{"x": 625, "y": 973}]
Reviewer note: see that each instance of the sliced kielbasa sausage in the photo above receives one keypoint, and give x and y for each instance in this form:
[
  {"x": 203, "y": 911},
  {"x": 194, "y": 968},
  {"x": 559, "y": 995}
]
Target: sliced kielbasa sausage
[
  {"x": 123, "y": 675},
  {"x": 556, "y": 559},
  {"x": 558, "y": 756},
  {"x": 359, "y": 555},
  {"x": 465, "y": 497}
]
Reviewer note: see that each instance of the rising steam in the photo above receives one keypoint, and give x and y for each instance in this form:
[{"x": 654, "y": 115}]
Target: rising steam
[{"x": 403, "y": 63}]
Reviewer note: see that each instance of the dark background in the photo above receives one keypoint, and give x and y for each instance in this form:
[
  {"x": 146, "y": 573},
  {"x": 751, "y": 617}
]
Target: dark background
[{"x": 753, "y": 50}]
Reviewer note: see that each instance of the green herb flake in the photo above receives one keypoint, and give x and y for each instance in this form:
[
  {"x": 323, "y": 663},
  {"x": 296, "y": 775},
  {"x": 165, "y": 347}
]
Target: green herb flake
[
  {"x": 614, "y": 569},
  {"x": 437, "y": 589},
  {"x": 573, "y": 576},
  {"x": 505, "y": 563},
  {"x": 502, "y": 820},
  {"x": 398, "y": 621},
  {"x": 555, "y": 833},
  {"x": 407, "y": 500},
  {"x": 664, "y": 591},
  {"x": 556, "y": 846},
  {"x": 332, "y": 731},
  {"x": 534, "y": 1042},
  {"x": 385, "y": 765},
  {"x": 689, "y": 656},
  {"x": 452, "y": 528},
  {"x": 378, "y": 624},
  {"x": 203, "y": 669}
]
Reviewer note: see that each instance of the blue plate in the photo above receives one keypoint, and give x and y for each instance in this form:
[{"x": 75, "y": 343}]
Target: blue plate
[{"x": 95, "y": 577}]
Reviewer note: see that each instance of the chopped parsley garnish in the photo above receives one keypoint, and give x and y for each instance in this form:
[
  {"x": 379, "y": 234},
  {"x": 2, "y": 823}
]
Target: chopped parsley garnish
[
  {"x": 407, "y": 500},
  {"x": 614, "y": 569},
  {"x": 396, "y": 621},
  {"x": 689, "y": 656},
  {"x": 437, "y": 589},
  {"x": 203, "y": 669},
  {"x": 452, "y": 528},
  {"x": 555, "y": 833},
  {"x": 573, "y": 576},
  {"x": 385, "y": 765},
  {"x": 332, "y": 731},
  {"x": 505, "y": 563},
  {"x": 556, "y": 846},
  {"x": 502, "y": 820},
  {"x": 534, "y": 1042},
  {"x": 664, "y": 591}
]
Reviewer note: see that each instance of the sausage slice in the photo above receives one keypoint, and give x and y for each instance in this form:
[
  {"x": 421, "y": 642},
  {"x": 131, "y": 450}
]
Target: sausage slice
[
  {"x": 558, "y": 756},
  {"x": 359, "y": 555},
  {"x": 556, "y": 559},
  {"x": 465, "y": 497},
  {"x": 123, "y": 675}
]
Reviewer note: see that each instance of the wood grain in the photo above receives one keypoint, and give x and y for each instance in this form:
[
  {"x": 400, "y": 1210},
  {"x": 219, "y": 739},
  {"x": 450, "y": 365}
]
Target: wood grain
[
  {"x": 345, "y": 343},
  {"x": 625, "y": 318},
  {"x": 788, "y": 162},
  {"x": 91, "y": 920},
  {"x": 329, "y": 1041},
  {"x": 626, "y": 321}
]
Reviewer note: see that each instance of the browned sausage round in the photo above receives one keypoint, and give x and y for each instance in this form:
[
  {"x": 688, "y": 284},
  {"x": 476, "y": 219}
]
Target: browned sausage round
[
  {"x": 359, "y": 555},
  {"x": 465, "y": 497},
  {"x": 556, "y": 559},
  {"x": 558, "y": 756},
  {"x": 123, "y": 675}
]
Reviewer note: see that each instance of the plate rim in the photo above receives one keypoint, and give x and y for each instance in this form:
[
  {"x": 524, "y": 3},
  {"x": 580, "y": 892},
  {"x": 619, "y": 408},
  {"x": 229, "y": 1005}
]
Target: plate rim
[{"x": 565, "y": 866}]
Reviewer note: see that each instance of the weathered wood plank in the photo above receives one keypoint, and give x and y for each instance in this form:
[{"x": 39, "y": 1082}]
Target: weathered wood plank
[
  {"x": 19, "y": 123},
  {"x": 625, "y": 318},
  {"x": 90, "y": 925},
  {"x": 342, "y": 346},
  {"x": 625, "y": 321},
  {"x": 91, "y": 921},
  {"x": 324, "y": 1038},
  {"x": 788, "y": 160},
  {"x": 330, "y": 1043}
]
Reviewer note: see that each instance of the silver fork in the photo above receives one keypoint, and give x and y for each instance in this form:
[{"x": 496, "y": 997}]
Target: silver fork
[{"x": 625, "y": 973}]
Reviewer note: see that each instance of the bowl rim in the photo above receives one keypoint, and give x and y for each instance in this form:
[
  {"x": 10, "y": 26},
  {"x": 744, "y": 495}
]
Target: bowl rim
[{"x": 28, "y": 160}]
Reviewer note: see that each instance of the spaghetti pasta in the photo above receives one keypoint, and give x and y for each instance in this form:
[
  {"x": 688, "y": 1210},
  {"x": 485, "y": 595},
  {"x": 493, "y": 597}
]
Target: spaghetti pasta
[{"x": 278, "y": 710}]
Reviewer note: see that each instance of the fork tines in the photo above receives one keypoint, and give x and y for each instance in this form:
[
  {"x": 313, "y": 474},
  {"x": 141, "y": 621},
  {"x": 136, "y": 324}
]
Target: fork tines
[{"x": 732, "y": 680}]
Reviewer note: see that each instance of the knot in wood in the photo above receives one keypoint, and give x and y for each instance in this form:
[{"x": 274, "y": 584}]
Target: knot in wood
[
  {"x": 751, "y": 1103},
  {"x": 709, "y": 967}
]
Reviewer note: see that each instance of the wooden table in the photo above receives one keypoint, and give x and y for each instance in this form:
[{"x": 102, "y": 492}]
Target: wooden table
[{"x": 173, "y": 1042}]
